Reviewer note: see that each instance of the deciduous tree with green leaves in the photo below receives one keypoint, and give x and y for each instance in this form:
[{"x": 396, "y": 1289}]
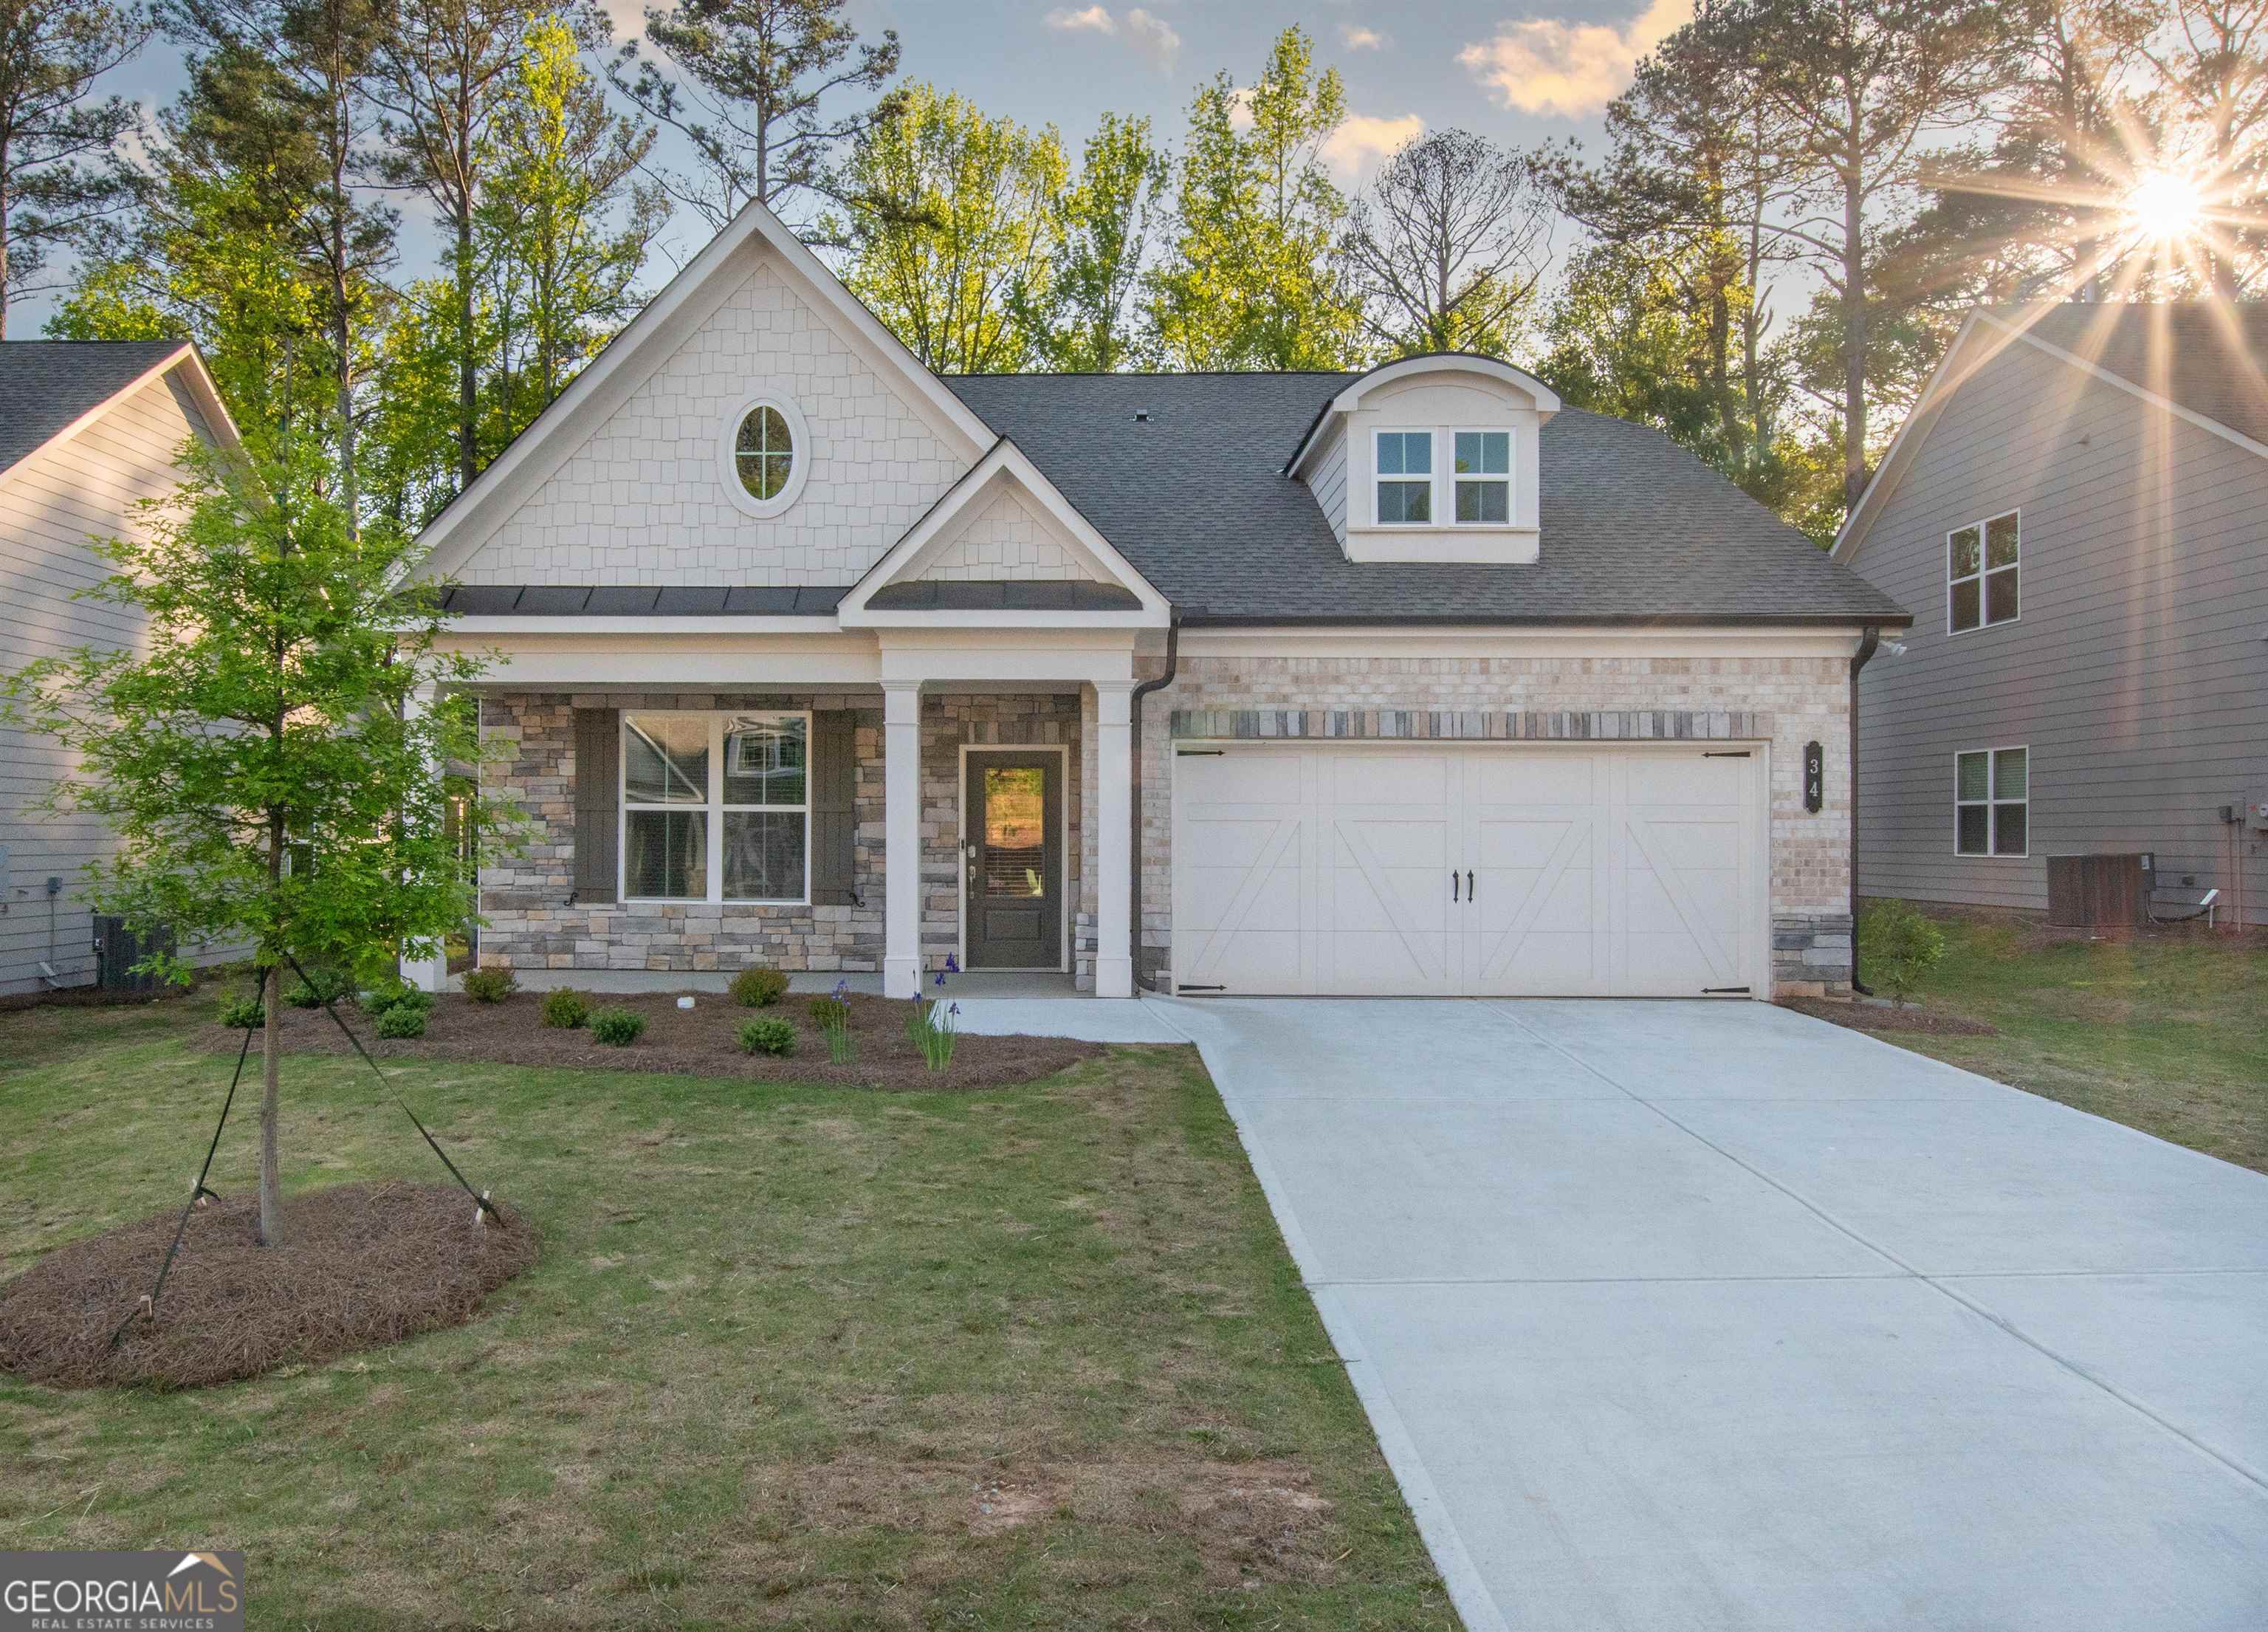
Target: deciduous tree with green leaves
[
  {"x": 949, "y": 227},
  {"x": 1252, "y": 281},
  {"x": 1100, "y": 239},
  {"x": 265, "y": 756}
]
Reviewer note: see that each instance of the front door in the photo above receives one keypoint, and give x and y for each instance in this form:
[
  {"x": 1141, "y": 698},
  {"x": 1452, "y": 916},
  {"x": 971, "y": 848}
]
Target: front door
[{"x": 1011, "y": 879}]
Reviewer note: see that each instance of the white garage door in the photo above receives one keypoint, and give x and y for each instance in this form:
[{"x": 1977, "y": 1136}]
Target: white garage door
[{"x": 1468, "y": 868}]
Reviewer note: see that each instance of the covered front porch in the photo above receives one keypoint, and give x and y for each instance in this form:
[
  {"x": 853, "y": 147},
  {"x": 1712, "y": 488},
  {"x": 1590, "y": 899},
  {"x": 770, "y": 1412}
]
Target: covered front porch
[{"x": 951, "y": 806}]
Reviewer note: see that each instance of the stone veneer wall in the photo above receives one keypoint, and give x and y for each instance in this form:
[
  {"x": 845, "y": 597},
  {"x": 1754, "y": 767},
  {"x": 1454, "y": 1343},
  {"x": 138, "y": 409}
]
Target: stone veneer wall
[
  {"x": 1786, "y": 701},
  {"x": 534, "y": 921}
]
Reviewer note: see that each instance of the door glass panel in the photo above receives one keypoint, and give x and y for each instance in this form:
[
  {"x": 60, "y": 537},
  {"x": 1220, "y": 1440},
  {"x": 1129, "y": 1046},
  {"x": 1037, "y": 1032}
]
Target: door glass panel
[{"x": 1015, "y": 831}]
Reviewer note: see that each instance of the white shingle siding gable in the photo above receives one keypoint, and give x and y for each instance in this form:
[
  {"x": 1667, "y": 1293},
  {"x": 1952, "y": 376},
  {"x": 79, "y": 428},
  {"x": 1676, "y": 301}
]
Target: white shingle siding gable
[
  {"x": 644, "y": 501},
  {"x": 1006, "y": 539}
]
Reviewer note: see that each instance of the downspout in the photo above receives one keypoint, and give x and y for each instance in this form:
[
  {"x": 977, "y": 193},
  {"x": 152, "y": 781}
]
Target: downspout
[
  {"x": 1134, "y": 800},
  {"x": 1869, "y": 639}
]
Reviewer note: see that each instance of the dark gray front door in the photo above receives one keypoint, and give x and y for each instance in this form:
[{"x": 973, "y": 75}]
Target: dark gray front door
[{"x": 1013, "y": 876}]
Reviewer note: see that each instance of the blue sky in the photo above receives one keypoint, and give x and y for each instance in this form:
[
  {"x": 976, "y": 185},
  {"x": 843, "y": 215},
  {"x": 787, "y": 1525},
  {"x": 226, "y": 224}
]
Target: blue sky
[{"x": 1518, "y": 75}]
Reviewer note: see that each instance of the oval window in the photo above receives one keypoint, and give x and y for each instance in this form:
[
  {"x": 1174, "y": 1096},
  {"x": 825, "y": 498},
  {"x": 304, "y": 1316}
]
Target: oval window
[{"x": 764, "y": 453}]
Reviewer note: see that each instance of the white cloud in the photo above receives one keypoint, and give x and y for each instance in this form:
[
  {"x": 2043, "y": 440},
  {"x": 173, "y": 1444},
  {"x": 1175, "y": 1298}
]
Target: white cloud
[
  {"x": 1357, "y": 38},
  {"x": 1095, "y": 19},
  {"x": 1151, "y": 37},
  {"x": 1547, "y": 65},
  {"x": 1362, "y": 138}
]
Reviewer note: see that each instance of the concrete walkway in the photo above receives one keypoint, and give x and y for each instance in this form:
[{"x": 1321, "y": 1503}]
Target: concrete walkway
[{"x": 1711, "y": 1316}]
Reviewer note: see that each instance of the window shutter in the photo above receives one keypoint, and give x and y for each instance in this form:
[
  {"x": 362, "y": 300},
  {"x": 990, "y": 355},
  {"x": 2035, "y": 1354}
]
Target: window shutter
[
  {"x": 834, "y": 815},
  {"x": 598, "y": 776}
]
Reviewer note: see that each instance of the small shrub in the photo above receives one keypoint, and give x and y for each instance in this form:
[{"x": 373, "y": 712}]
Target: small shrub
[
  {"x": 386, "y": 999},
  {"x": 243, "y": 1014},
  {"x": 1897, "y": 946},
  {"x": 775, "y": 1038},
  {"x": 759, "y": 987},
  {"x": 321, "y": 986},
  {"x": 617, "y": 1028},
  {"x": 403, "y": 1020},
  {"x": 490, "y": 986},
  {"x": 566, "y": 1008}
]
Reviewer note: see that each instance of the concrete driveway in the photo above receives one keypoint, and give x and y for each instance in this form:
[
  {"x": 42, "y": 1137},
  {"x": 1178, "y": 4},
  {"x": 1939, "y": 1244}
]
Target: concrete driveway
[{"x": 1701, "y": 1316}]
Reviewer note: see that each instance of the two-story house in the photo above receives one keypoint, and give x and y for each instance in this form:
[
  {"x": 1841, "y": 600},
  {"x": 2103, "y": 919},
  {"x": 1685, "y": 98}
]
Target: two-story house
[{"x": 2077, "y": 514}]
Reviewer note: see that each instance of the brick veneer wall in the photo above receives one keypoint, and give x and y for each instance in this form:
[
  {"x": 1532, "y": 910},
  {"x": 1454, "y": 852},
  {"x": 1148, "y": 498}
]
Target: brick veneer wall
[
  {"x": 1786, "y": 701},
  {"x": 534, "y": 921}
]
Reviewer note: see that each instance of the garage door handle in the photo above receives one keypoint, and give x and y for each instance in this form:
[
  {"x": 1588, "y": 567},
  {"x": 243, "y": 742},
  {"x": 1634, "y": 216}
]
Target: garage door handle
[
  {"x": 1452, "y": 884},
  {"x": 1470, "y": 894}
]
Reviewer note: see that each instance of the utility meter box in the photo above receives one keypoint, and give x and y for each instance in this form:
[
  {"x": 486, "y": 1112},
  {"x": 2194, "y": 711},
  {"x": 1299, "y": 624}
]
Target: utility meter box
[{"x": 2255, "y": 814}]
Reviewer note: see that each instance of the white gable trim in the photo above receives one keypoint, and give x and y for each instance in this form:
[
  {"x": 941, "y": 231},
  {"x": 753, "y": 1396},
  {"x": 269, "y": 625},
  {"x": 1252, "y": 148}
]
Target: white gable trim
[
  {"x": 1004, "y": 462},
  {"x": 1490, "y": 368},
  {"x": 671, "y": 318},
  {"x": 195, "y": 377},
  {"x": 1998, "y": 334}
]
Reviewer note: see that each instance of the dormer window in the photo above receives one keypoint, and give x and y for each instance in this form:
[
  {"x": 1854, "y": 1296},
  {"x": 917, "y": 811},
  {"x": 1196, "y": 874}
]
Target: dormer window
[
  {"x": 1483, "y": 477},
  {"x": 1405, "y": 478}
]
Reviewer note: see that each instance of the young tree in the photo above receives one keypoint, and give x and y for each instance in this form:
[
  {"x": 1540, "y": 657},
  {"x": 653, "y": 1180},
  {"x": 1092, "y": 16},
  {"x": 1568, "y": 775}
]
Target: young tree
[
  {"x": 55, "y": 144},
  {"x": 1252, "y": 281},
  {"x": 755, "y": 73},
  {"x": 1100, "y": 240},
  {"x": 1449, "y": 246},
  {"x": 447, "y": 71},
  {"x": 564, "y": 229},
  {"x": 949, "y": 215},
  {"x": 264, "y": 758}
]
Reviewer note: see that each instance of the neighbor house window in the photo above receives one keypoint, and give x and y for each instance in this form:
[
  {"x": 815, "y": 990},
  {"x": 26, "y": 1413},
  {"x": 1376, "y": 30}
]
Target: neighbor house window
[
  {"x": 1980, "y": 565},
  {"x": 1405, "y": 478},
  {"x": 1992, "y": 801},
  {"x": 1484, "y": 477},
  {"x": 716, "y": 807}
]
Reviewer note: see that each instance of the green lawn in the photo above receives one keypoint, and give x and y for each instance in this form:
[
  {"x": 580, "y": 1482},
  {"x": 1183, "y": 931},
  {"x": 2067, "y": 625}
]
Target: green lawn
[
  {"x": 2166, "y": 1032},
  {"x": 1032, "y": 1357}
]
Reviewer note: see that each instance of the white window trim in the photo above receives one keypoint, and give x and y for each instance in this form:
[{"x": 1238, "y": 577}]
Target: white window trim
[
  {"x": 713, "y": 807},
  {"x": 1991, "y": 803},
  {"x": 1983, "y": 571},
  {"x": 1452, "y": 477},
  {"x": 1442, "y": 479},
  {"x": 1432, "y": 477},
  {"x": 798, "y": 467}
]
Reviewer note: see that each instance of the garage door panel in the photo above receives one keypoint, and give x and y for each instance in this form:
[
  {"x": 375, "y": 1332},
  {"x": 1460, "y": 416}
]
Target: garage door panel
[{"x": 1593, "y": 871}]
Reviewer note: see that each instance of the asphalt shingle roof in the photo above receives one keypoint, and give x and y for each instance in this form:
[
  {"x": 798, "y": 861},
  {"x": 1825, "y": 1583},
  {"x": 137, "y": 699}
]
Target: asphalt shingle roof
[
  {"x": 47, "y": 384},
  {"x": 1633, "y": 527},
  {"x": 2206, "y": 358}
]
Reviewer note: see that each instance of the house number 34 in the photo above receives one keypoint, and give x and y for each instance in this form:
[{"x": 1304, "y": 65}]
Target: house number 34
[{"x": 1815, "y": 776}]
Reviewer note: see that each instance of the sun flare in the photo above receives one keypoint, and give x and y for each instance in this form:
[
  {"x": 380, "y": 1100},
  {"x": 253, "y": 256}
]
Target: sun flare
[{"x": 2164, "y": 206}]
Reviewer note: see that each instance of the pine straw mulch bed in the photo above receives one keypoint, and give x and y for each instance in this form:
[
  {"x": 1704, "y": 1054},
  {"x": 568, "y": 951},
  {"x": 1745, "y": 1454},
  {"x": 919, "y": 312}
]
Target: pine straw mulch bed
[
  {"x": 363, "y": 1264},
  {"x": 701, "y": 1041},
  {"x": 1873, "y": 1017}
]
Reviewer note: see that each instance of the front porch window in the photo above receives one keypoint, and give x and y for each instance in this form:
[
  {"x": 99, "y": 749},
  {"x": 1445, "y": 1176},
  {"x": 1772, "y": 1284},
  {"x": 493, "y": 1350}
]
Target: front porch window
[{"x": 716, "y": 807}]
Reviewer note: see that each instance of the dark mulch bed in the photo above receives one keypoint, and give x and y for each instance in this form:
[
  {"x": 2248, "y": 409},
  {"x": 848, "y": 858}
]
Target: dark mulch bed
[
  {"x": 701, "y": 1041},
  {"x": 362, "y": 1266},
  {"x": 1872, "y": 1017}
]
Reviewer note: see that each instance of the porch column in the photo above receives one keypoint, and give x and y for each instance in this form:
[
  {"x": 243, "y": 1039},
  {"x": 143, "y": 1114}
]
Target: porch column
[
  {"x": 901, "y": 881},
  {"x": 1114, "y": 846},
  {"x": 424, "y": 973}
]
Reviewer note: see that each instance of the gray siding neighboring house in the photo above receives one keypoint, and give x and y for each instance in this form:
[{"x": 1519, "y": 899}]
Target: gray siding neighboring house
[
  {"x": 87, "y": 430},
  {"x": 2131, "y": 444}
]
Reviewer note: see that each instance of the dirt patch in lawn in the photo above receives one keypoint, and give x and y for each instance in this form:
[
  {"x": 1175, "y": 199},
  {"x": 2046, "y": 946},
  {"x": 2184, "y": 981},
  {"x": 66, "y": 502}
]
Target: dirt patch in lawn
[
  {"x": 1872, "y": 1017},
  {"x": 700, "y": 1041},
  {"x": 362, "y": 1265}
]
